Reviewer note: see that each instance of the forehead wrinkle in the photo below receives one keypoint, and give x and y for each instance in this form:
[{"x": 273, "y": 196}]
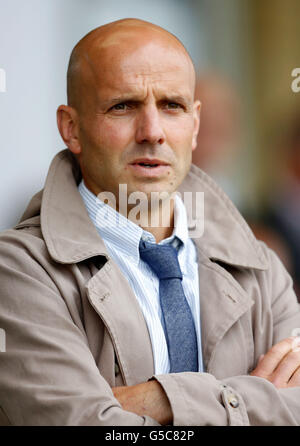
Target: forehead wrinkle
[
  {"x": 122, "y": 77},
  {"x": 158, "y": 84},
  {"x": 137, "y": 82},
  {"x": 148, "y": 71}
]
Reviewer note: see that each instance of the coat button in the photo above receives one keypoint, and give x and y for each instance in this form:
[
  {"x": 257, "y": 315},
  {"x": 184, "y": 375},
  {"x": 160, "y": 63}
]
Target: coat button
[
  {"x": 233, "y": 401},
  {"x": 117, "y": 369}
]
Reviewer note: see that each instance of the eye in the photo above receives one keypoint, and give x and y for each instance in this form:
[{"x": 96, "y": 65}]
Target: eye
[
  {"x": 174, "y": 106},
  {"x": 118, "y": 107},
  {"x": 122, "y": 106}
]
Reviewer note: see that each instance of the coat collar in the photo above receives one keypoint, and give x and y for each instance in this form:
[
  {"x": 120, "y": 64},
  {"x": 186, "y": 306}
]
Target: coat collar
[
  {"x": 226, "y": 236},
  {"x": 71, "y": 237}
]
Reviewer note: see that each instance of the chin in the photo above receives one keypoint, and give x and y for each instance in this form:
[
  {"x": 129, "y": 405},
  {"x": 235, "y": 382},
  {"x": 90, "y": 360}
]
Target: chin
[{"x": 157, "y": 188}]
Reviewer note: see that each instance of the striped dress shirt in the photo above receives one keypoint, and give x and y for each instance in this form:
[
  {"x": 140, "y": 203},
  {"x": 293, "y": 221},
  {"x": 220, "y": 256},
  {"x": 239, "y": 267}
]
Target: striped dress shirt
[{"x": 122, "y": 242}]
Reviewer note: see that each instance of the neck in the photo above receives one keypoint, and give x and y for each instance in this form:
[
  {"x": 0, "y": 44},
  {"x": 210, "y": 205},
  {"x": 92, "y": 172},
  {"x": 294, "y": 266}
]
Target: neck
[
  {"x": 164, "y": 216},
  {"x": 159, "y": 233}
]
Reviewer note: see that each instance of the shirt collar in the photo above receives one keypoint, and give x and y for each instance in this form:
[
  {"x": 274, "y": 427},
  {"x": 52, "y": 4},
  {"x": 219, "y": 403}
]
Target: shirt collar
[{"x": 124, "y": 235}]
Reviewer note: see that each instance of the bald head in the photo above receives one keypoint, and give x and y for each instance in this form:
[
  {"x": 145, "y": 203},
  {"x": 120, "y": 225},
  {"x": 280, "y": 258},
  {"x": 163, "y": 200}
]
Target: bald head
[{"x": 120, "y": 37}]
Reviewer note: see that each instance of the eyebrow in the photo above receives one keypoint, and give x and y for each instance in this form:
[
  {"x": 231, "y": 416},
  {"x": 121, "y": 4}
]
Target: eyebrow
[
  {"x": 176, "y": 98},
  {"x": 135, "y": 98}
]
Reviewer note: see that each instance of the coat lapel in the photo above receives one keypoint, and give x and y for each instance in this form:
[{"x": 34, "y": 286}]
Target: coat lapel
[
  {"x": 222, "y": 303},
  {"x": 113, "y": 299}
]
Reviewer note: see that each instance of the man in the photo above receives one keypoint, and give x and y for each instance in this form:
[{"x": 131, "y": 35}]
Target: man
[{"x": 89, "y": 336}]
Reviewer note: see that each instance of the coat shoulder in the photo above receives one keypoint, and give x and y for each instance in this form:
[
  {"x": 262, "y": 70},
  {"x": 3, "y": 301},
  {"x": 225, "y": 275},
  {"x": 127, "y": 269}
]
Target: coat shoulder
[{"x": 23, "y": 243}]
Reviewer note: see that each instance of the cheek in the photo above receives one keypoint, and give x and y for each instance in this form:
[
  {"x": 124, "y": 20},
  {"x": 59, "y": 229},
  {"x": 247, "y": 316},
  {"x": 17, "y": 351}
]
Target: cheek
[
  {"x": 180, "y": 135},
  {"x": 115, "y": 134}
]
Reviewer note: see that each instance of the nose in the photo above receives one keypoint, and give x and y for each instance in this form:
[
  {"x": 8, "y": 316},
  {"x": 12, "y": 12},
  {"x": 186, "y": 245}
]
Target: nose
[{"x": 149, "y": 126}]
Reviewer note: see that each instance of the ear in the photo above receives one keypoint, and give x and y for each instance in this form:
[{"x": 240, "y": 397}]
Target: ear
[
  {"x": 67, "y": 122},
  {"x": 196, "y": 114}
]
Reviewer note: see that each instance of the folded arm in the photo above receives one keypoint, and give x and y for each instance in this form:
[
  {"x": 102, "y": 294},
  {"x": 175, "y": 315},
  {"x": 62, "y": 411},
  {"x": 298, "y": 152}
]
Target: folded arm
[
  {"x": 270, "y": 394},
  {"x": 147, "y": 398},
  {"x": 280, "y": 366}
]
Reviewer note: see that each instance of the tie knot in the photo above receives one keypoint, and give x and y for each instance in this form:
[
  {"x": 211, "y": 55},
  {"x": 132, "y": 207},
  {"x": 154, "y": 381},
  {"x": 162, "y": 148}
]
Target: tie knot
[{"x": 162, "y": 259}]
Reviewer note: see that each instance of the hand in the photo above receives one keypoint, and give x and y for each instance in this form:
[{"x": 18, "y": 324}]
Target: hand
[
  {"x": 147, "y": 398},
  {"x": 281, "y": 364}
]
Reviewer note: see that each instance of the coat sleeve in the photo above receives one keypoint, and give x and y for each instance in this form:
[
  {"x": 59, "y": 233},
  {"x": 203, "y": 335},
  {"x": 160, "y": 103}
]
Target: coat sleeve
[
  {"x": 48, "y": 375},
  {"x": 201, "y": 399}
]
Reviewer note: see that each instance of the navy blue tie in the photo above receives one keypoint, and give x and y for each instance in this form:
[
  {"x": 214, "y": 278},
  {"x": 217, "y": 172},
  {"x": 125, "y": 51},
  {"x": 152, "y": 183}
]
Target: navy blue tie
[{"x": 178, "y": 320}]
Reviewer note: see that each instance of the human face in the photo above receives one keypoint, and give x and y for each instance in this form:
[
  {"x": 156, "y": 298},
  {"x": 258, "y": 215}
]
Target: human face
[{"x": 139, "y": 108}]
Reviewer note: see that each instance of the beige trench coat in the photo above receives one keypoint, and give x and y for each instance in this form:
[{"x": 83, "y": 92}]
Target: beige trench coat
[{"x": 74, "y": 328}]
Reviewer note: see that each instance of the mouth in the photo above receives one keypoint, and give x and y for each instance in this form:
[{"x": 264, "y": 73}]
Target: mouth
[
  {"x": 149, "y": 167},
  {"x": 149, "y": 163}
]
